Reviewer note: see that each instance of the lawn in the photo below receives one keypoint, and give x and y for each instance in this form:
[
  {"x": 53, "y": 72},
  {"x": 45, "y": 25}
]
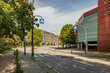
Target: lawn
[{"x": 102, "y": 56}]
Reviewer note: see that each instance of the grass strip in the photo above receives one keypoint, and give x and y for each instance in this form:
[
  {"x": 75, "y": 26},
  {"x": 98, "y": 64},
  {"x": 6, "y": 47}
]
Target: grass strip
[{"x": 102, "y": 56}]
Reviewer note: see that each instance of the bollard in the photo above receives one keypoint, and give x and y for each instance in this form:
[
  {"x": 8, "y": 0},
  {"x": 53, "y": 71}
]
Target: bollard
[{"x": 17, "y": 62}]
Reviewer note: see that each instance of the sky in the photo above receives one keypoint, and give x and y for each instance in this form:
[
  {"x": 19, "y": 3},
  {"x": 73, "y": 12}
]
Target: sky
[{"x": 58, "y": 13}]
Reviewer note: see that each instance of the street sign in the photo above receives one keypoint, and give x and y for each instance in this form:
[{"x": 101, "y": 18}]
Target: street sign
[
  {"x": 25, "y": 38},
  {"x": 41, "y": 21},
  {"x": 86, "y": 42},
  {"x": 76, "y": 23},
  {"x": 75, "y": 27}
]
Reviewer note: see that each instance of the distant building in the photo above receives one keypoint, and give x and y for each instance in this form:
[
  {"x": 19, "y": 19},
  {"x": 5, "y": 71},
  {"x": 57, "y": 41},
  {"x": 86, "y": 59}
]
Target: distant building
[
  {"x": 48, "y": 38},
  {"x": 57, "y": 40}
]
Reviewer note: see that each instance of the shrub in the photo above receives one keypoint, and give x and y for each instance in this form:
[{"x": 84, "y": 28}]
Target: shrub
[{"x": 3, "y": 48}]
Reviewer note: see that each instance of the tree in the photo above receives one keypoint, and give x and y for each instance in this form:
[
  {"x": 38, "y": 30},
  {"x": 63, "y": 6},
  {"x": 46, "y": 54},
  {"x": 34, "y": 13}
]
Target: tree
[
  {"x": 67, "y": 34},
  {"x": 11, "y": 42},
  {"x": 37, "y": 36},
  {"x": 16, "y": 17},
  {"x": 24, "y": 19},
  {"x": 7, "y": 24}
]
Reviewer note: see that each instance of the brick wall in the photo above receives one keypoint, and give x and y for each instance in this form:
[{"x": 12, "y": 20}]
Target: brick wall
[{"x": 104, "y": 25}]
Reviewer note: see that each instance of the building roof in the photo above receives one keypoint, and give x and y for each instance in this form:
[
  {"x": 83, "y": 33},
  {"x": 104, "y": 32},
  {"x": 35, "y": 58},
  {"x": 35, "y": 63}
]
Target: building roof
[{"x": 88, "y": 13}]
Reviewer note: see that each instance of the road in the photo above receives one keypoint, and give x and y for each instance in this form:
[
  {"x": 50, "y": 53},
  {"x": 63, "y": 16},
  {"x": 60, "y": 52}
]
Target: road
[{"x": 65, "y": 64}]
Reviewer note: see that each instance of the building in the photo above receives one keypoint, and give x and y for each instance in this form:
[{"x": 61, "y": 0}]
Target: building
[
  {"x": 97, "y": 23},
  {"x": 104, "y": 25},
  {"x": 57, "y": 40},
  {"x": 48, "y": 38},
  {"x": 90, "y": 21}
]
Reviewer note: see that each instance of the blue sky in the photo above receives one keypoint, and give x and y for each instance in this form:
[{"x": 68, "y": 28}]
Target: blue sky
[{"x": 57, "y": 13}]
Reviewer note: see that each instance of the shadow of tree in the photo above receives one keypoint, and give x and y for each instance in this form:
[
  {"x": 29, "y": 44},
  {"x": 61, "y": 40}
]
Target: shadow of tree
[
  {"x": 33, "y": 66},
  {"x": 7, "y": 63},
  {"x": 71, "y": 65}
]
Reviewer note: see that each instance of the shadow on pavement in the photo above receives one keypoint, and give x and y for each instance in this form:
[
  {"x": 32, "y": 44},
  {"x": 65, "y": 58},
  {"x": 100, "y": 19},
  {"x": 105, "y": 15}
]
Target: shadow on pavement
[
  {"x": 80, "y": 53},
  {"x": 7, "y": 63},
  {"x": 33, "y": 66},
  {"x": 72, "y": 65}
]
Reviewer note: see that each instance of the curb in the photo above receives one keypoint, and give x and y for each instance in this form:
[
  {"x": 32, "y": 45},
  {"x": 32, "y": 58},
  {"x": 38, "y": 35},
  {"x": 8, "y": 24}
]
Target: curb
[{"x": 46, "y": 65}]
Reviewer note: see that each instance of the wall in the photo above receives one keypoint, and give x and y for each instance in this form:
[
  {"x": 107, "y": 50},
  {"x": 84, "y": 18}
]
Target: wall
[
  {"x": 88, "y": 20},
  {"x": 104, "y": 25},
  {"x": 47, "y": 37}
]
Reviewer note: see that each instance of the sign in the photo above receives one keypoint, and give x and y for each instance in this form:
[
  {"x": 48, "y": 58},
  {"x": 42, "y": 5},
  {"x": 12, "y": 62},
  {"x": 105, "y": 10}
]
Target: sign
[
  {"x": 76, "y": 23},
  {"x": 41, "y": 21},
  {"x": 75, "y": 27},
  {"x": 25, "y": 38},
  {"x": 86, "y": 42}
]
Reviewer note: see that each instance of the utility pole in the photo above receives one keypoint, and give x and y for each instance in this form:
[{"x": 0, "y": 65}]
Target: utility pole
[
  {"x": 32, "y": 33},
  {"x": 32, "y": 37},
  {"x": 24, "y": 46},
  {"x": 25, "y": 37},
  {"x": 24, "y": 41}
]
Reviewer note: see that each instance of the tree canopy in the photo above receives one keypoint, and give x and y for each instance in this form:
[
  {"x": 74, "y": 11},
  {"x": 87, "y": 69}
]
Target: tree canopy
[
  {"x": 16, "y": 17},
  {"x": 37, "y": 36},
  {"x": 67, "y": 34},
  {"x": 7, "y": 24}
]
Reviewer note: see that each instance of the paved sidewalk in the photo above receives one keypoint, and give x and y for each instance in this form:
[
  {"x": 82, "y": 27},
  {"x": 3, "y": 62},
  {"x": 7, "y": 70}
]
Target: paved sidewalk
[
  {"x": 7, "y": 63},
  {"x": 28, "y": 65},
  {"x": 33, "y": 66},
  {"x": 88, "y": 57}
]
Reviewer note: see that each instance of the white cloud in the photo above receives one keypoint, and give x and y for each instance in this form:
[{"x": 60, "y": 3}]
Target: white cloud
[
  {"x": 55, "y": 21},
  {"x": 45, "y": 11}
]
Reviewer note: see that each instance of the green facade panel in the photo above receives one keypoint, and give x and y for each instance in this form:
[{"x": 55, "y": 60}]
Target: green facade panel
[{"x": 90, "y": 23}]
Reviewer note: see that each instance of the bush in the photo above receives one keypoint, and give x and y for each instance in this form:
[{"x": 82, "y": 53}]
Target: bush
[
  {"x": 48, "y": 43},
  {"x": 3, "y": 48}
]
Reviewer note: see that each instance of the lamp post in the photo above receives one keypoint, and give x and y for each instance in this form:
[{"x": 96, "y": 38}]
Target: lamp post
[
  {"x": 25, "y": 39},
  {"x": 86, "y": 43},
  {"x": 85, "y": 37},
  {"x": 39, "y": 16},
  {"x": 32, "y": 37},
  {"x": 32, "y": 33}
]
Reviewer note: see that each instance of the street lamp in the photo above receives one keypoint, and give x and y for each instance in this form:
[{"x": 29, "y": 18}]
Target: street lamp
[
  {"x": 85, "y": 38},
  {"x": 32, "y": 33},
  {"x": 39, "y": 16},
  {"x": 32, "y": 37},
  {"x": 75, "y": 27},
  {"x": 25, "y": 39}
]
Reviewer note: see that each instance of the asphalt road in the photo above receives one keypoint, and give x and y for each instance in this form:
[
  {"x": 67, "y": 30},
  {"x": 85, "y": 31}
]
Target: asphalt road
[{"x": 69, "y": 65}]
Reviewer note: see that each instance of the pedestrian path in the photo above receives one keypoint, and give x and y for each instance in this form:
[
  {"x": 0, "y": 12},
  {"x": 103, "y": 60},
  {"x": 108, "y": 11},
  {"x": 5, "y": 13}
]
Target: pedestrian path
[
  {"x": 7, "y": 63},
  {"x": 33, "y": 66},
  {"x": 28, "y": 65}
]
